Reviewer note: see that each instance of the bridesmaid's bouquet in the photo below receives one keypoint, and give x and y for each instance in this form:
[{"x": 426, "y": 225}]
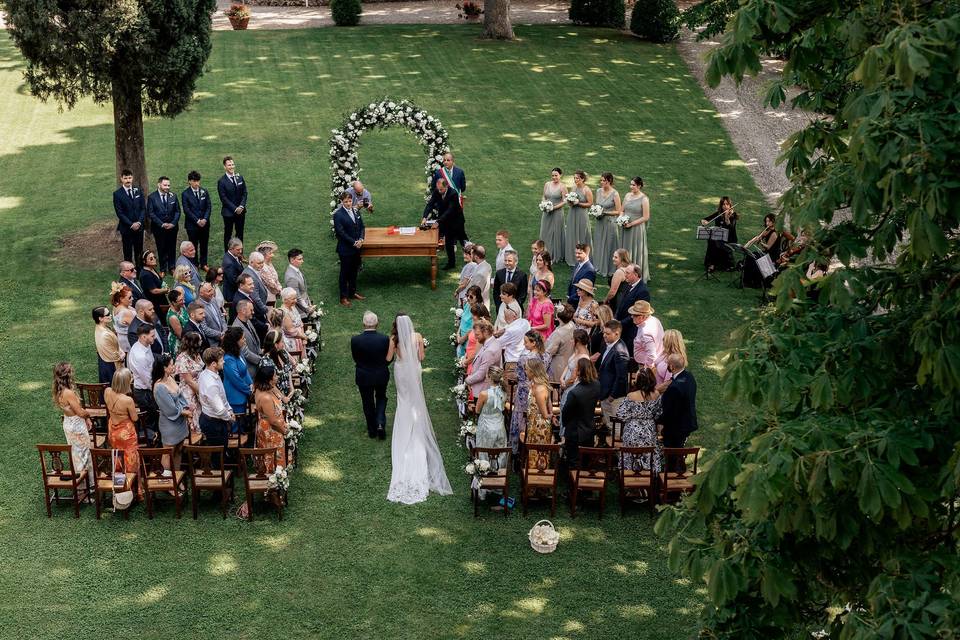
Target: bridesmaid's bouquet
[
  {"x": 572, "y": 198},
  {"x": 546, "y": 206},
  {"x": 595, "y": 211},
  {"x": 622, "y": 220}
]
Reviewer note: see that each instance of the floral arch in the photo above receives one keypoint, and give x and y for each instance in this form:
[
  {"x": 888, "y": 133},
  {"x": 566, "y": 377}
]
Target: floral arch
[{"x": 345, "y": 141}]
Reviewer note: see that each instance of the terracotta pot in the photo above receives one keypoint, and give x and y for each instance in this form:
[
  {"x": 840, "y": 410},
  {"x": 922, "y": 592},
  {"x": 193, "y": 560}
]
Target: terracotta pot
[{"x": 239, "y": 24}]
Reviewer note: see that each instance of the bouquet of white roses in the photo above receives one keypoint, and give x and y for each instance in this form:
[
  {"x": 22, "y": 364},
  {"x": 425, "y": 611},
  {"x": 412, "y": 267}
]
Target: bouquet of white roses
[
  {"x": 595, "y": 211},
  {"x": 459, "y": 392},
  {"x": 572, "y": 198},
  {"x": 477, "y": 467},
  {"x": 546, "y": 206},
  {"x": 460, "y": 366},
  {"x": 317, "y": 312},
  {"x": 294, "y": 431},
  {"x": 312, "y": 336},
  {"x": 279, "y": 479},
  {"x": 622, "y": 220},
  {"x": 453, "y": 340},
  {"x": 468, "y": 428},
  {"x": 426, "y": 343}
]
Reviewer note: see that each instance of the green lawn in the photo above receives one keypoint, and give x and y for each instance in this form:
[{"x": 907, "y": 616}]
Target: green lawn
[{"x": 345, "y": 562}]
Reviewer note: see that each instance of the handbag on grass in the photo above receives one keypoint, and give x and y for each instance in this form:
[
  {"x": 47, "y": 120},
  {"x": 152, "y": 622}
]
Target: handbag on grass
[{"x": 121, "y": 499}]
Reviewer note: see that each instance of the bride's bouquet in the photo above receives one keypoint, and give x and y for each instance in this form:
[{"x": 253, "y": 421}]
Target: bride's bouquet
[
  {"x": 595, "y": 211},
  {"x": 572, "y": 198},
  {"x": 546, "y": 206},
  {"x": 622, "y": 220}
]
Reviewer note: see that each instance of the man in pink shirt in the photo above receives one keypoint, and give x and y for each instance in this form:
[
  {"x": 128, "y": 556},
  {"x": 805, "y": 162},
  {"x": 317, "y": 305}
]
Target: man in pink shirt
[{"x": 648, "y": 343}]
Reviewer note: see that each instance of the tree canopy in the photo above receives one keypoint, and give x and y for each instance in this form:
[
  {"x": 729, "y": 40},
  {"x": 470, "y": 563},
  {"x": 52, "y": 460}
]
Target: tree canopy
[{"x": 833, "y": 504}]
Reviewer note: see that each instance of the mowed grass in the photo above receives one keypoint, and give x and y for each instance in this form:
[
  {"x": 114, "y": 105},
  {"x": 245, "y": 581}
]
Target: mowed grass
[{"x": 345, "y": 562}]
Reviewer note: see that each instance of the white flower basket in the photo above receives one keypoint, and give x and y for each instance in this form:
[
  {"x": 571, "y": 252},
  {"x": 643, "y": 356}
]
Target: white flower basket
[{"x": 544, "y": 537}]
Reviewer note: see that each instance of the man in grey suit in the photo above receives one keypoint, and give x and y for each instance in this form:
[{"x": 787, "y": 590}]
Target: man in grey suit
[
  {"x": 489, "y": 354},
  {"x": 213, "y": 319},
  {"x": 560, "y": 343},
  {"x": 254, "y": 265},
  {"x": 251, "y": 352},
  {"x": 294, "y": 279}
]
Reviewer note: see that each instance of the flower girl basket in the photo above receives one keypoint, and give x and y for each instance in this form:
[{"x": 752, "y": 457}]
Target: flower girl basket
[{"x": 544, "y": 537}]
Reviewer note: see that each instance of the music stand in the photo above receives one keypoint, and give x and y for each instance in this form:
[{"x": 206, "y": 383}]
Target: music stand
[
  {"x": 751, "y": 256},
  {"x": 711, "y": 233}
]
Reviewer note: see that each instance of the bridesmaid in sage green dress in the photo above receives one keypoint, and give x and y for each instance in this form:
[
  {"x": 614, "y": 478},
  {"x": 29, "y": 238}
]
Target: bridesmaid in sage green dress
[
  {"x": 636, "y": 204},
  {"x": 578, "y": 224},
  {"x": 606, "y": 236},
  {"x": 551, "y": 223}
]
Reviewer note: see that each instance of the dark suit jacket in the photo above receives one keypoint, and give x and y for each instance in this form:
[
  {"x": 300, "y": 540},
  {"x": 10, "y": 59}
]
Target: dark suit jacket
[
  {"x": 638, "y": 293},
  {"x": 232, "y": 268},
  {"x": 129, "y": 210},
  {"x": 232, "y": 195},
  {"x": 259, "y": 318},
  {"x": 159, "y": 345},
  {"x": 612, "y": 371},
  {"x": 586, "y": 270},
  {"x": 347, "y": 231},
  {"x": 195, "y": 209},
  {"x": 519, "y": 279},
  {"x": 578, "y": 410},
  {"x": 135, "y": 288},
  {"x": 203, "y": 330},
  {"x": 680, "y": 405},
  {"x": 163, "y": 214},
  {"x": 449, "y": 214},
  {"x": 369, "y": 351}
]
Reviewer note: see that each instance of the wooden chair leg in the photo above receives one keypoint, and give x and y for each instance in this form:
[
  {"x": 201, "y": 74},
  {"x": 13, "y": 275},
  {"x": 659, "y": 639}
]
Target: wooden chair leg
[
  {"x": 149, "y": 504},
  {"x": 46, "y": 501},
  {"x": 573, "y": 501},
  {"x": 75, "y": 496},
  {"x": 249, "y": 507},
  {"x": 603, "y": 500},
  {"x": 506, "y": 499}
]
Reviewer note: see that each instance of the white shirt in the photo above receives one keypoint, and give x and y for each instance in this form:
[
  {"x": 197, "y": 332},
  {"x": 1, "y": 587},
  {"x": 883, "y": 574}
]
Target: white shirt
[
  {"x": 512, "y": 339},
  {"x": 140, "y": 363},
  {"x": 213, "y": 397},
  {"x": 500, "y": 256}
]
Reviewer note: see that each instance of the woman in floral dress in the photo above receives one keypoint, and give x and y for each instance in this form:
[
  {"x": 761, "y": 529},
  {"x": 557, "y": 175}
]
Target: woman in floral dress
[
  {"x": 539, "y": 411},
  {"x": 533, "y": 350},
  {"x": 188, "y": 366},
  {"x": 639, "y": 412}
]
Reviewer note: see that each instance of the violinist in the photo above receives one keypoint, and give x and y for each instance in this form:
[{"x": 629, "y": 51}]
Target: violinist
[{"x": 718, "y": 256}]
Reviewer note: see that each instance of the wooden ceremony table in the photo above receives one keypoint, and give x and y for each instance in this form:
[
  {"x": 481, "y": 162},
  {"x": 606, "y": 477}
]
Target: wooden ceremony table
[{"x": 378, "y": 243}]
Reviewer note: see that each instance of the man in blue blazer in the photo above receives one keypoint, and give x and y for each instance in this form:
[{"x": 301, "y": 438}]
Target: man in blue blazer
[
  {"x": 164, "y": 212},
  {"x": 130, "y": 207},
  {"x": 612, "y": 371},
  {"x": 349, "y": 229},
  {"x": 583, "y": 270},
  {"x": 369, "y": 351},
  {"x": 635, "y": 291},
  {"x": 232, "y": 189},
  {"x": 196, "y": 211}
]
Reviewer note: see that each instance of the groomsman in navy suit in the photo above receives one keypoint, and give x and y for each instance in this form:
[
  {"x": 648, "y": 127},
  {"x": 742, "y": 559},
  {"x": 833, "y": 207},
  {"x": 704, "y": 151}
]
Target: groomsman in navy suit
[
  {"x": 196, "y": 209},
  {"x": 130, "y": 207},
  {"x": 348, "y": 226},
  {"x": 164, "y": 212},
  {"x": 233, "y": 200}
]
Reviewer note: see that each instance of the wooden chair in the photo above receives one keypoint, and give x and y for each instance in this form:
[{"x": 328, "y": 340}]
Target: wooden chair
[
  {"x": 591, "y": 474},
  {"x": 154, "y": 481},
  {"x": 614, "y": 435},
  {"x": 543, "y": 476},
  {"x": 91, "y": 399},
  {"x": 634, "y": 479},
  {"x": 58, "y": 476},
  {"x": 255, "y": 474},
  {"x": 103, "y": 478},
  {"x": 676, "y": 477},
  {"x": 498, "y": 479},
  {"x": 207, "y": 473},
  {"x": 241, "y": 439}
]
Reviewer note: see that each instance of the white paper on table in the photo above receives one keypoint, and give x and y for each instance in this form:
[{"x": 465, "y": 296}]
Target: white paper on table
[{"x": 407, "y": 231}]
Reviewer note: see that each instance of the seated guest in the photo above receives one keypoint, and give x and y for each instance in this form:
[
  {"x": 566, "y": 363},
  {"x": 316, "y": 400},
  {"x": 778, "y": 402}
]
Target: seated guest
[
  {"x": 173, "y": 409},
  {"x": 122, "y": 417},
  {"x": 181, "y": 283},
  {"x": 559, "y": 345},
  {"x": 639, "y": 412},
  {"x": 634, "y": 289},
  {"x": 508, "y": 300},
  {"x": 581, "y": 351},
  {"x": 481, "y": 273},
  {"x": 109, "y": 354},
  {"x": 196, "y": 323},
  {"x": 252, "y": 349},
  {"x": 214, "y": 278},
  {"x": 216, "y": 416},
  {"x": 213, "y": 324},
  {"x": 489, "y": 354},
  {"x": 718, "y": 256},
  {"x": 511, "y": 337},
  {"x": 543, "y": 263},
  {"x": 577, "y": 411},
  {"x": 597, "y": 344},
  {"x": 177, "y": 319},
  {"x": 469, "y": 266},
  {"x": 586, "y": 309},
  {"x": 187, "y": 366},
  {"x": 612, "y": 371},
  {"x": 768, "y": 241},
  {"x": 361, "y": 197},
  {"x": 466, "y": 319},
  {"x": 502, "y": 241},
  {"x": 254, "y": 269},
  {"x": 245, "y": 293},
  {"x": 293, "y": 278},
  {"x": 187, "y": 258},
  {"x": 583, "y": 271},
  {"x": 679, "y": 418},
  {"x": 271, "y": 280},
  {"x": 123, "y": 314},
  {"x": 479, "y": 312},
  {"x": 672, "y": 344},
  {"x": 128, "y": 277},
  {"x": 510, "y": 274},
  {"x": 540, "y": 313},
  {"x": 153, "y": 287},
  {"x": 140, "y": 362},
  {"x": 232, "y": 266},
  {"x": 272, "y": 425},
  {"x": 294, "y": 337},
  {"x": 146, "y": 315},
  {"x": 491, "y": 432},
  {"x": 76, "y": 421},
  {"x": 648, "y": 342},
  {"x": 236, "y": 379}
]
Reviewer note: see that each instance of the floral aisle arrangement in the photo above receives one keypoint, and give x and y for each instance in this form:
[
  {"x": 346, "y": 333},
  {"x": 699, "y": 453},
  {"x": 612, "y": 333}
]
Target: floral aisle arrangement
[
  {"x": 345, "y": 141},
  {"x": 468, "y": 434},
  {"x": 477, "y": 468},
  {"x": 277, "y": 483}
]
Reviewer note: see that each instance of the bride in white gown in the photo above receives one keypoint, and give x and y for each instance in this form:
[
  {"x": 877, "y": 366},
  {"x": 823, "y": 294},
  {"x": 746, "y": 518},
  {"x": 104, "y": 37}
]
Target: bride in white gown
[{"x": 417, "y": 464}]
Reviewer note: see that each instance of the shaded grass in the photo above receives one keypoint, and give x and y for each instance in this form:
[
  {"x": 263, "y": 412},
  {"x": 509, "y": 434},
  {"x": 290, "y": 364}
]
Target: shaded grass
[{"x": 345, "y": 562}]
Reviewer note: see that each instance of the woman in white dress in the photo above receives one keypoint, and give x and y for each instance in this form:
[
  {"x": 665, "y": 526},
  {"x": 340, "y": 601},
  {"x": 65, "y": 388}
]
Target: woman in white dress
[{"x": 417, "y": 464}]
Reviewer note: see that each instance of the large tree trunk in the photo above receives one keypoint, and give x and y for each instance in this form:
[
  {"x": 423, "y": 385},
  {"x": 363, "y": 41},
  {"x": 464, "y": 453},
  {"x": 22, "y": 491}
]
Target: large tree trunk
[
  {"x": 128, "y": 130},
  {"x": 496, "y": 20}
]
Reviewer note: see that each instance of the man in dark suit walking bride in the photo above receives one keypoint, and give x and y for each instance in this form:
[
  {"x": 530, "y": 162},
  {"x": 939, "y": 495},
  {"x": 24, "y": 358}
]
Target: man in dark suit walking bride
[{"x": 369, "y": 351}]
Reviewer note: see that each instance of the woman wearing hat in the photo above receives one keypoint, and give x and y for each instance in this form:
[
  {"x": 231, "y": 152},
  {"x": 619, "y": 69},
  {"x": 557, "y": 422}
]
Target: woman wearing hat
[
  {"x": 269, "y": 273},
  {"x": 585, "y": 316}
]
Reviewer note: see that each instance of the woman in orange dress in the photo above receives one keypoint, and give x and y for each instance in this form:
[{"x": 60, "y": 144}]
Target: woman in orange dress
[
  {"x": 122, "y": 412},
  {"x": 271, "y": 423},
  {"x": 539, "y": 412}
]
